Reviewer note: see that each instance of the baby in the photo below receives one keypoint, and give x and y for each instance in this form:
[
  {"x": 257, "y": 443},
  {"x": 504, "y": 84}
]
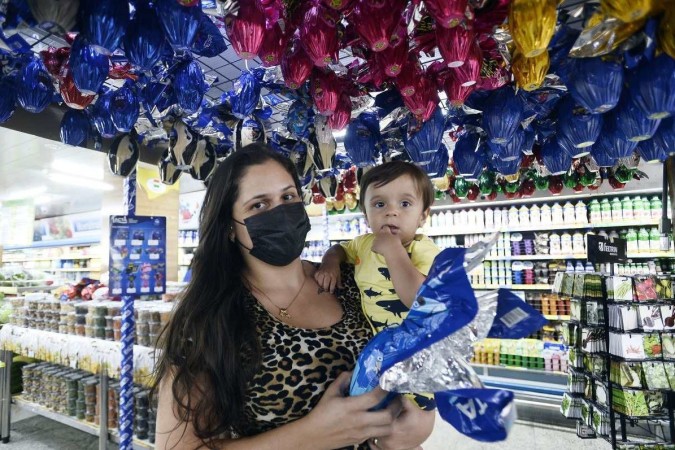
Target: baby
[{"x": 392, "y": 262}]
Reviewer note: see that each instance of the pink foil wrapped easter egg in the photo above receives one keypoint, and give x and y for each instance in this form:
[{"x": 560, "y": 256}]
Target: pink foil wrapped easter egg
[
  {"x": 296, "y": 66},
  {"x": 325, "y": 91},
  {"x": 273, "y": 46},
  {"x": 376, "y": 25},
  {"x": 318, "y": 37},
  {"x": 424, "y": 101},
  {"x": 455, "y": 44},
  {"x": 392, "y": 60},
  {"x": 447, "y": 13},
  {"x": 246, "y": 30},
  {"x": 342, "y": 114},
  {"x": 408, "y": 80}
]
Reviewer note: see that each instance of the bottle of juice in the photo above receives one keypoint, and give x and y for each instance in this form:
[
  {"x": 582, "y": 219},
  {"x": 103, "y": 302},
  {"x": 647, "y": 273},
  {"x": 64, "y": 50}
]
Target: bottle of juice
[{"x": 627, "y": 209}]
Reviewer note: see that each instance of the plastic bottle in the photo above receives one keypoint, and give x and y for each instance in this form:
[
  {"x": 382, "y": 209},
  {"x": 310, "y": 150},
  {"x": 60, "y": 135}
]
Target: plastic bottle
[
  {"x": 557, "y": 217},
  {"x": 524, "y": 216},
  {"x": 617, "y": 212},
  {"x": 654, "y": 240},
  {"x": 546, "y": 214},
  {"x": 513, "y": 217},
  {"x": 606, "y": 210},
  {"x": 535, "y": 215},
  {"x": 594, "y": 211},
  {"x": 643, "y": 240},
  {"x": 632, "y": 240},
  {"x": 568, "y": 214},
  {"x": 580, "y": 213},
  {"x": 627, "y": 209},
  {"x": 655, "y": 208}
]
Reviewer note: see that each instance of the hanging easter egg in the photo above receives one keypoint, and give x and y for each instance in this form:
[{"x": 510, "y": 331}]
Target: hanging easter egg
[
  {"x": 204, "y": 161},
  {"x": 325, "y": 90},
  {"x": 661, "y": 145},
  {"x": 455, "y": 44},
  {"x": 614, "y": 143},
  {"x": 144, "y": 39},
  {"x": 461, "y": 187},
  {"x": 246, "y": 96},
  {"x": 447, "y": 13},
  {"x": 159, "y": 95},
  {"x": 393, "y": 58},
  {"x": 74, "y": 127},
  {"x": 541, "y": 182},
  {"x": 104, "y": 22},
  {"x": 34, "y": 90},
  {"x": 556, "y": 185},
  {"x": 594, "y": 83},
  {"x": 273, "y": 46},
  {"x": 438, "y": 164},
  {"x": 633, "y": 122},
  {"x": 511, "y": 149},
  {"x": 579, "y": 128},
  {"x": 627, "y": 10},
  {"x": 247, "y": 131},
  {"x": 487, "y": 182},
  {"x": 532, "y": 23},
  {"x": 296, "y": 66},
  {"x": 652, "y": 87},
  {"x": 529, "y": 73},
  {"x": 337, "y": 4},
  {"x": 502, "y": 114},
  {"x": 426, "y": 142},
  {"x": 510, "y": 169},
  {"x": 466, "y": 157},
  {"x": 123, "y": 155},
  {"x": 376, "y": 25},
  {"x": 168, "y": 172},
  {"x": 101, "y": 117},
  {"x": 468, "y": 73},
  {"x": 361, "y": 139},
  {"x": 124, "y": 108},
  {"x": 7, "y": 98},
  {"x": 319, "y": 39},
  {"x": 246, "y": 31},
  {"x": 71, "y": 96},
  {"x": 342, "y": 114},
  {"x": 180, "y": 23},
  {"x": 408, "y": 79},
  {"x": 555, "y": 158},
  {"x": 182, "y": 145},
  {"x": 189, "y": 86},
  {"x": 666, "y": 32},
  {"x": 424, "y": 101},
  {"x": 208, "y": 40},
  {"x": 89, "y": 66}
]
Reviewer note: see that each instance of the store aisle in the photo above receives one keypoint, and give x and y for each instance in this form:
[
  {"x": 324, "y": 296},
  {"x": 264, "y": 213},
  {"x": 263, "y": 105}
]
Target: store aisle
[{"x": 38, "y": 433}]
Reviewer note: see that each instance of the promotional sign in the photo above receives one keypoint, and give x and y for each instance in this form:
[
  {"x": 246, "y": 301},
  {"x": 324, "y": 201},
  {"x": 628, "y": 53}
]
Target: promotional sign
[
  {"x": 188, "y": 212},
  {"x": 606, "y": 250},
  {"x": 137, "y": 255},
  {"x": 71, "y": 226}
]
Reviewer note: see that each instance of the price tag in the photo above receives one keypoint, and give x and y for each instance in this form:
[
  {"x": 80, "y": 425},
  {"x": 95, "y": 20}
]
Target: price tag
[
  {"x": 154, "y": 255},
  {"x": 153, "y": 242},
  {"x": 145, "y": 290},
  {"x": 119, "y": 242},
  {"x": 136, "y": 242},
  {"x": 135, "y": 256},
  {"x": 131, "y": 290}
]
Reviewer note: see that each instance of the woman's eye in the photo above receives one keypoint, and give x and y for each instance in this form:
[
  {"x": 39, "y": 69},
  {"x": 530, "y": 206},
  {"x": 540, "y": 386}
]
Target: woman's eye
[
  {"x": 289, "y": 197},
  {"x": 259, "y": 205}
]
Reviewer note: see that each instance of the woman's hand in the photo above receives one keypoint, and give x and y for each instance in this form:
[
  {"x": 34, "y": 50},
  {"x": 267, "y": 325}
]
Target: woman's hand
[
  {"x": 338, "y": 421},
  {"x": 410, "y": 429}
]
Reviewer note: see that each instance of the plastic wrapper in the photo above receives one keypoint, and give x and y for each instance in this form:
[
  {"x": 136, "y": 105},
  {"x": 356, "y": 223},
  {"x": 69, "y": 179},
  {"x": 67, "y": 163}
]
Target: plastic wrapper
[
  {"x": 168, "y": 172},
  {"x": 208, "y": 40},
  {"x": 594, "y": 83},
  {"x": 529, "y": 73},
  {"x": 104, "y": 22},
  {"x": 481, "y": 414},
  {"x": 296, "y": 66},
  {"x": 123, "y": 155},
  {"x": 392, "y": 59},
  {"x": 562, "y": 42},
  {"x": 532, "y": 24},
  {"x": 627, "y": 10},
  {"x": 502, "y": 114},
  {"x": 204, "y": 160},
  {"x": 455, "y": 44},
  {"x": 100, "y": 115},
  {"x": 580, "y": 128},
  {"x": 425, "y": 143},
  {"x": 319, "y": 39},
  {"x": 362, "y": 139},
  {"x": 468, "y": 160},
  {"x": 602, "y": 36},
  {"x": 144, "y": 39},
  {"x": 74, "y": 127},
  {"x": 189, "y": 86},
  {"x": 247, "y": 131},
  {"x": 180, "y": 23},
  {"x": 273, "y": 46},
  {"x": 342, "y": 114},
  {"x": 652, "y": 87}
]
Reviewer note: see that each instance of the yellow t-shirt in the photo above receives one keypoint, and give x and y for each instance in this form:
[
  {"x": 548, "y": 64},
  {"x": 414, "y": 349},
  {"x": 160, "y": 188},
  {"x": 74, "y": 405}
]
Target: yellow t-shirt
[{"x": 379, "y": 301}]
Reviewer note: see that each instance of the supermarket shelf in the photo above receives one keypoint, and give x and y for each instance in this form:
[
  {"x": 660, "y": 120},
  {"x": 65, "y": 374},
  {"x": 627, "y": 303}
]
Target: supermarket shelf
[
  {"x": 551, "y": 317},
  {"x": 56, "y": 243},
  {"x": 670, "y": 254},
  {"x": 13, "y": 290},
  {"x": 49, "y": 258},
  {"x": 78, "y": 269},
  {"x": 188, "y": 245},
  {"x": 73, "y": 422},
  {"x": 535, "y": 257},
  {"x": 515, "y": 287},
  {"x": 517, "y": 369}
]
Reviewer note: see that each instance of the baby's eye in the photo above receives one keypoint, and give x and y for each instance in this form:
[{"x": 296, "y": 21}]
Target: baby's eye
[
  {"x": 379, "y": 205},
  {"x": 406, "y": 203}
]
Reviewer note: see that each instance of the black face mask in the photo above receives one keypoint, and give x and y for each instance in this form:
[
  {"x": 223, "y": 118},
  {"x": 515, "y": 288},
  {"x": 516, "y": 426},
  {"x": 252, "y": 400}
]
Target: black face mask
[{"x": 278, "y": 235}]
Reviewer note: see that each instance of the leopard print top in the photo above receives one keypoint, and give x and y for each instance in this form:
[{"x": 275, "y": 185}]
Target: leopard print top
[{"x": 298, "y": 364}]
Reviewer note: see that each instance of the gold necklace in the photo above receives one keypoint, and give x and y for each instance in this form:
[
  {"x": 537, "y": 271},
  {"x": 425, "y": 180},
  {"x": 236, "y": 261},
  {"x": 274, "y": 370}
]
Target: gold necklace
[{"x": 283, "y": 312}]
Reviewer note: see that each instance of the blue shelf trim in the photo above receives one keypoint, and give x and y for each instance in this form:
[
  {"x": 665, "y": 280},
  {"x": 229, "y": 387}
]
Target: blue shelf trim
[
  {"x": 56, "y": 243},
  {"x": 526, "y": 388}
]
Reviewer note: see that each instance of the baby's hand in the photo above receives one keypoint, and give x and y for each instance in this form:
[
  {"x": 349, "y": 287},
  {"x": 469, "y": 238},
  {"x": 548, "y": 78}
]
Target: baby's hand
[
  {"x": 385, "y": 240},
  {"x": 328, "y": 276}
]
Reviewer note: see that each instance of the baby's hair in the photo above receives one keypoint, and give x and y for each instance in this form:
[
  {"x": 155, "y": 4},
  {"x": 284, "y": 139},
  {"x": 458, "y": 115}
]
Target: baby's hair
[{"x": 388, "y": 172}]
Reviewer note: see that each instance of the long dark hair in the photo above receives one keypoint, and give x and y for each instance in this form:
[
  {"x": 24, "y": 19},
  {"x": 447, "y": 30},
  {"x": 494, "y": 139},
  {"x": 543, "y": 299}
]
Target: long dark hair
[{"x": 210, "y": 346}]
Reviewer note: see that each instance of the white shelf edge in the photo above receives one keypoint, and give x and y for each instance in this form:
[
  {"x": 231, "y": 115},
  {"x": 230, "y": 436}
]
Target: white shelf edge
[
  {"x": 517, "y": 369},
  {"x": 514, "y": 287}
]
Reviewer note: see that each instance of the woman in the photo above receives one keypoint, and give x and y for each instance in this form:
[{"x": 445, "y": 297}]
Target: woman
[{"x": 256, "y": 356}]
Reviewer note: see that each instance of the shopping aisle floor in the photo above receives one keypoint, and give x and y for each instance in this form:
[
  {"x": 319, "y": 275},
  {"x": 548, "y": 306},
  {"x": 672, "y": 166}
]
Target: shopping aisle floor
[{"x": 38, "y": 433}]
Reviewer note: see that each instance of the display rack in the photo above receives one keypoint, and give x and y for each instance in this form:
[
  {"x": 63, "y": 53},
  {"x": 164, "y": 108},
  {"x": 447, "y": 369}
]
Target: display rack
[{"x": 610, "y": 337}]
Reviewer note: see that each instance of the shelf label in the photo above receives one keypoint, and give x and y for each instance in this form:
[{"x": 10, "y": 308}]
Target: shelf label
[
  {"x": 134, "y": 256},
  {"x": 153, "y": 242},
  {"x": 136, "y": 242},
  {"x": 606, "y": 250},
  {"x": 154, "y": 256},
  {"x": 144, "y": 290},
  {"x": 119, "y": 242}
]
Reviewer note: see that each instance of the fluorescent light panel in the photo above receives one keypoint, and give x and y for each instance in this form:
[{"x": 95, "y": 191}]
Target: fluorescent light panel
[{"x": 75, "y": 180}]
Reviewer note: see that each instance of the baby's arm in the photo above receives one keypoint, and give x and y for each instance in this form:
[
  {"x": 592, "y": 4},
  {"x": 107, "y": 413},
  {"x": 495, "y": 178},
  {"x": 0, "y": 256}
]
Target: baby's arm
[
  {"x": 404, "y": 275},
  {"x": 328, "y": 274}
]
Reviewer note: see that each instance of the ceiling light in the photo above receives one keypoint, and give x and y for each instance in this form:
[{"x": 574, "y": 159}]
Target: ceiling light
[
  {"x": 65, "y": 166},
  {"x": 75, "y": 180}
]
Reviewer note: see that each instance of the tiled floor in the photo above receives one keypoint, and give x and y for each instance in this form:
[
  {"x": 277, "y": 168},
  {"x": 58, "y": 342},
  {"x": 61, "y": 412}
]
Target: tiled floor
[{"x": 37, "y": 433}]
